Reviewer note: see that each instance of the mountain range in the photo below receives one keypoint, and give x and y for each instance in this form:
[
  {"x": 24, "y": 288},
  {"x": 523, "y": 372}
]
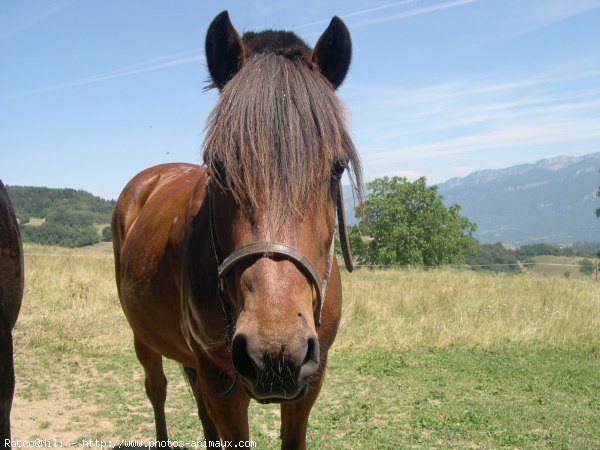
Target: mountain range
[{"x": 552, "y": 200}]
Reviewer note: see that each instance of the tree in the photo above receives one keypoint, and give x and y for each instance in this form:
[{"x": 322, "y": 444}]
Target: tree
[
  {"x": 407, "y": 224},
  {"x": 598, "y": 209},
  {"x": 598, "y": 195}
]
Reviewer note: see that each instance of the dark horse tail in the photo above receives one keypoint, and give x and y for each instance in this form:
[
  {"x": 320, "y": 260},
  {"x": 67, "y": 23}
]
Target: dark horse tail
[{"x": 191, "y": 376}]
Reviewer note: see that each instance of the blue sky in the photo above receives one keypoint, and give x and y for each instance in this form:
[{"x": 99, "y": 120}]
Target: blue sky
[{"x": 92, "y": 92}]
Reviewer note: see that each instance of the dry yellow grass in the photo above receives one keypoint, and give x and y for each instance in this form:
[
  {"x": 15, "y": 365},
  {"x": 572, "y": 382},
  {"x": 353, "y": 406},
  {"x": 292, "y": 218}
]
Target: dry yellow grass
[
  {"x": 71, "y": 302},
  {"x": 559, "y": 266},
  {"x": 415, "y": 308},
  {"x": 35, "y": 222}
]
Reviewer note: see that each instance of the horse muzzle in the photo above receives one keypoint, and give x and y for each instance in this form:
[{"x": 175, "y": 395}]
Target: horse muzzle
[{"x": 275, "y": 377}]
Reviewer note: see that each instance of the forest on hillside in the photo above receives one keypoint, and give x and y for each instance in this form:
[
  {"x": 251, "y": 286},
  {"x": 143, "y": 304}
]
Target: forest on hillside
[{"x": 70, "y": 217}]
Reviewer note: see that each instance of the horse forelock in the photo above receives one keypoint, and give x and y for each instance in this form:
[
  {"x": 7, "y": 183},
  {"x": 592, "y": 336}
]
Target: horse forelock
[{"x": 276, "y": 132}]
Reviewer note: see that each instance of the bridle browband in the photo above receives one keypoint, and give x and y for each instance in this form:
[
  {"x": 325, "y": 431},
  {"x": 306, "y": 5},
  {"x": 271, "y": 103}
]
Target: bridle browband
[{"x": 278, "y": 250}]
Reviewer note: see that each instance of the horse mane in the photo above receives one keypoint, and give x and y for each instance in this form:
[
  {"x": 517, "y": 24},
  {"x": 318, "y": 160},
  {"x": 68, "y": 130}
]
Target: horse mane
[{"x": 278, "y": 129}]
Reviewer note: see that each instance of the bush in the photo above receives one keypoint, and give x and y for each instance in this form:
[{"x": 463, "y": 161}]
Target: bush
[
  {"x": 495, "y": 258},
  {"x": 52, "y": 233},
  {"x": 72, "y": 218},
  {"x": 586, "y": 267},
  {"x": 106, "y": 234}
]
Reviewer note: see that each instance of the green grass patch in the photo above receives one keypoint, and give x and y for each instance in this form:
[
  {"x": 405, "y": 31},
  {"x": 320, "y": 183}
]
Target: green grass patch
[
  {"x": 459, "y": 398},
  {"x": 421, "y": 398}
]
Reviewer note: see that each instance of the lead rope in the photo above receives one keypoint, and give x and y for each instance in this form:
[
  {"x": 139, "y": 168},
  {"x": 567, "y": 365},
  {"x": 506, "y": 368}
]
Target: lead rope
[
  {"x": 221, "y": 282},
  {"x": 344, "y": 241},
  {"x": 221, "y": 289},
  {"x": 326, "y": 277}
]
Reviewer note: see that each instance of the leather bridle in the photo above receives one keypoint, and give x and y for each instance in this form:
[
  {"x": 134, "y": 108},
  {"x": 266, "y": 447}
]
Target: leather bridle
[{"x": 277, "y": 250}]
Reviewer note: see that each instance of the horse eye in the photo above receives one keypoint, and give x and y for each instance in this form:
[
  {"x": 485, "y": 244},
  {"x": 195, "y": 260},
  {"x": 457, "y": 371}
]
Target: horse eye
[{"x": 337, "y": 170}]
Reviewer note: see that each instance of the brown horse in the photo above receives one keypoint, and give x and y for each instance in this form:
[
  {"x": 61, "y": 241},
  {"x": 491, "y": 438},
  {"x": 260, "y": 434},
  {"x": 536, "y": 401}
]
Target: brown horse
[
  {"x": 229, "y": 269},
  {"x": 11, "y": 294}
]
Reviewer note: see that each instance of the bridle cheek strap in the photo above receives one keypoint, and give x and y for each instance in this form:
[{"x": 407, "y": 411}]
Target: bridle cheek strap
[{"x": 279, "y": 250}]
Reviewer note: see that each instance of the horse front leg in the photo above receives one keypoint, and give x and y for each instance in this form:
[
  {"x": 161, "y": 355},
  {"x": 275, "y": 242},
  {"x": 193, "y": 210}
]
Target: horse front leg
[
  {"x": 224, "y": 403},
  {"x": 294, "y": 415},
  {"x": 210, "y": 430},
  {"x": 7, "y": 385}
]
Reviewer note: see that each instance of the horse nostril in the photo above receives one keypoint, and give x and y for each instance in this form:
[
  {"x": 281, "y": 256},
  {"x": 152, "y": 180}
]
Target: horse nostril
[
  {"x": 310, "y": 351},
  {"x": 245, "y": 363},
  {"x": 310, "y": 365}
]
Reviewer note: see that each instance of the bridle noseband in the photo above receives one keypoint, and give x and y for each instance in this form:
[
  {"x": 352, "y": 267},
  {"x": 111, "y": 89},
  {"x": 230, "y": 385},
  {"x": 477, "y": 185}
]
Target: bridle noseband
[{"x": 278, "y": 250}]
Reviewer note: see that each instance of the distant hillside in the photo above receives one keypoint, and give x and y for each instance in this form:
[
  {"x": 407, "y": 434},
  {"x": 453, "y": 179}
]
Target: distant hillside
[
  {"x": 552, "y": 200},
  {"x": 71, "y": 218}
]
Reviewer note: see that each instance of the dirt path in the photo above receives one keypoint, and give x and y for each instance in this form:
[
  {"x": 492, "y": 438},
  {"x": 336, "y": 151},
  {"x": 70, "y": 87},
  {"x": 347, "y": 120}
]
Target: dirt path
[{"x": 57, "y": 417}]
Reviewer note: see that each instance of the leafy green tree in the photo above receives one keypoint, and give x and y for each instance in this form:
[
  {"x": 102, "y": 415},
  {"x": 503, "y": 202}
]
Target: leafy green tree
[
  {"x": 598, "y": 209},
  {"x": 407, "y": 224}
]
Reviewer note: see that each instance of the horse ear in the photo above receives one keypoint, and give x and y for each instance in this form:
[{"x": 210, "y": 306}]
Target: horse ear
[
  {"x": 224, "y": 50},
  {"x": 333, "y": 52}
]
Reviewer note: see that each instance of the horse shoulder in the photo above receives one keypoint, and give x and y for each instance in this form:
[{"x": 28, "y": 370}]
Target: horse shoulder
[{"x": 145, "y": 190}]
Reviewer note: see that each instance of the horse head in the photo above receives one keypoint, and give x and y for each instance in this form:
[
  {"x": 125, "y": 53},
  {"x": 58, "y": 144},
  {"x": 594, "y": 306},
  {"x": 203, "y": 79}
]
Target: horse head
[{"x": 276, "y": 148}]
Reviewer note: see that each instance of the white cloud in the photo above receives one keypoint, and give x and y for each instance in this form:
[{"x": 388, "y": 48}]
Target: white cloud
[
  {"x": 414, "y": 12},
  {"x": 531, "y": 16},
  {"x": 387, "y": 16},
  {"x": 461, "y": 171},
  {"x": 455, "y": 128},
  {"x": 514, "y": 136},
  {"x": 16, "y": 18},
  {"x": 359, "y": 13},
  {"x": 159, "y": 63}
]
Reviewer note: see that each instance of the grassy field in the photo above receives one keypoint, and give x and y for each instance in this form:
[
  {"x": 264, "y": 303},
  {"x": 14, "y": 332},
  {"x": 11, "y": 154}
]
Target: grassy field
[
  {"x": 35, "y": 222},
  {"x": 424, "y": 359},
  {"x": 562, "y": 266}
]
